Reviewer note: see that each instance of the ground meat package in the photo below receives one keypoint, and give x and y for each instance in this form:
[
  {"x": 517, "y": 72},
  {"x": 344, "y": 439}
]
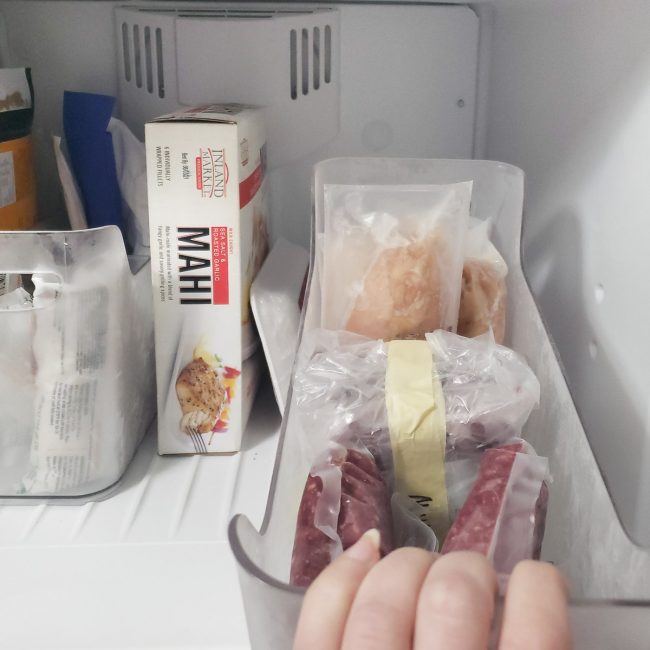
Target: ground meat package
[
  {"x": 504, "y": 514},
  {"x": 345, "y": 495},
  {"x": 389, "y": 401},
  {"x": 483, "y": 295},
  {"x": 392, "y": 258},
  {"x": 462, "y": 468}
]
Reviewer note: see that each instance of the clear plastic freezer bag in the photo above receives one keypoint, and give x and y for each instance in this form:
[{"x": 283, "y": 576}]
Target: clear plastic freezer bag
[
  {"x": 389, "y": 401},
  {"x": 489, "y": 390},
  {"x": 392, "y": 258}
]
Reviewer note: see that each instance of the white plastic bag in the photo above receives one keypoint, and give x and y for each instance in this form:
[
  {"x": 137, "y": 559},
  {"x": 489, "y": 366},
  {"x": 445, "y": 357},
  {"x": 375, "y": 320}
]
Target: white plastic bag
[
  {"x": 16, "y": 299},
  {"x": 17, "y": 385},
  {"x": 72, "y": 356},
  {"x": 131, "y": 168},
  {"x": 71, "y": 194},
  {"x": 392, "y": 258}
]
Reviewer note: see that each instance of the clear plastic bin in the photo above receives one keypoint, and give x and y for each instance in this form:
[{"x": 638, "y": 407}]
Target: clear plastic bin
[
  {"x": 77, "y": 389},
  {"x": 583, "y": 535}
]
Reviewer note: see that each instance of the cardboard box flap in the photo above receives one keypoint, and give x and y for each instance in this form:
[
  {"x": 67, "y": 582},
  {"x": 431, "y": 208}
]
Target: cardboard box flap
[{"x": 221, "y": 113}]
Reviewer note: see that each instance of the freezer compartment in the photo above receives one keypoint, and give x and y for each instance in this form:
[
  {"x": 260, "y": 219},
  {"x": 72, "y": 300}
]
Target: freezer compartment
[
  {"x": 583, "y": 535},
  {"x": 77, "y": 386}
]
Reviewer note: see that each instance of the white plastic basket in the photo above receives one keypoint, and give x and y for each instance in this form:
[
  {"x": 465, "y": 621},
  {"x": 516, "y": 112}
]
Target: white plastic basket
[
  {"x": 77, "y": 392},
  {"x": 583, "y": 535}
]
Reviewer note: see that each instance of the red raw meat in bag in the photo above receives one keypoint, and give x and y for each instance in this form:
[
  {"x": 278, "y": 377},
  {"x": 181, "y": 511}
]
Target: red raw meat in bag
[
  {"x": 504, "y": 515},
  {"x": 348, "y": 482}
]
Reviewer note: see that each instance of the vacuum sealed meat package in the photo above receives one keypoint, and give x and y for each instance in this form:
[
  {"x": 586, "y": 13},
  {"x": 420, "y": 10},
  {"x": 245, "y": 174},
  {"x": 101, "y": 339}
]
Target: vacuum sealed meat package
[
  {"x": 483, "y": 296},
  {"x": 504, "y": 515},
  {"x": 462, "y": 468},
  {"x": 392, "y": 258},
  {"x": 346, "y": 494},
  {"x": 386, "y": 394},
  {"x": 400, "y": 403},
  {"x": 344, "y": 497}
]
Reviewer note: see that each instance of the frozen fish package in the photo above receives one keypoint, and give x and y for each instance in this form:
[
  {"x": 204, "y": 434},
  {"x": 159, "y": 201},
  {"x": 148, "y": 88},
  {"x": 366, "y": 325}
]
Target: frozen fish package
[
  {"x": 207, "y": 192},
  {"x": 392, "y": 258}
]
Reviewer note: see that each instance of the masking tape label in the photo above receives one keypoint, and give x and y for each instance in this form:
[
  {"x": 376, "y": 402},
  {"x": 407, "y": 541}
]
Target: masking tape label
[{"x": 416, "y": 419}]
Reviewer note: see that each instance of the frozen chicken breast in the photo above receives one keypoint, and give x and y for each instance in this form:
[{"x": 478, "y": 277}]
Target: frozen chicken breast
[
  {"x": 402, "y": 293},
  {"x": 482, "y": 300}
]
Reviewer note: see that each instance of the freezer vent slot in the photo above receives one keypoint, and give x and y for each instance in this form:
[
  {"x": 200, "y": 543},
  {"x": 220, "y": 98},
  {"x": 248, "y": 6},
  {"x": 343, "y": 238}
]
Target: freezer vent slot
[
  {"x": 159, "y": 63},
  {"x": 147, "y": 58},
  {"x": 315, "y": 44},
  {"x": 137, "y": 56},
  {"x": 328, "y": 54},
  {"x": 142, "y": 54},
  {"x": 126, "y": 51}
]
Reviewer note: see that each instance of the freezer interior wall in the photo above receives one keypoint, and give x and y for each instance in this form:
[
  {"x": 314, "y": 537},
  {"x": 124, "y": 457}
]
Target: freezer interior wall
[
  {"x": 559, "y": 88},
  {"x": 569, "y": 103}
]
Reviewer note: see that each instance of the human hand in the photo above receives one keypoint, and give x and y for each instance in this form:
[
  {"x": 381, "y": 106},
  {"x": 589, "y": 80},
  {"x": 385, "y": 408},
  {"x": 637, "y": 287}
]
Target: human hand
[{"x": 416, "y": 600}]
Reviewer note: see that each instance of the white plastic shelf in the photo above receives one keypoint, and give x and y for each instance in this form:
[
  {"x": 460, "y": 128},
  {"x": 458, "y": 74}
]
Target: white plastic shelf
[{"x": 150, "y": 567}]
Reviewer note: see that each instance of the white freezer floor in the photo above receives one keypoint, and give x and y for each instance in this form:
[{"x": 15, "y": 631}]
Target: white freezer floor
[{"x": 150, "y": 567}]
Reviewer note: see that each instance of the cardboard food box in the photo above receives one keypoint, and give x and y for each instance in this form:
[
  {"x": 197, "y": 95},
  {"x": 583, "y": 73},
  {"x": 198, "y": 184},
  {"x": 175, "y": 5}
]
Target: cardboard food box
[{"x": 208, "y": 221}]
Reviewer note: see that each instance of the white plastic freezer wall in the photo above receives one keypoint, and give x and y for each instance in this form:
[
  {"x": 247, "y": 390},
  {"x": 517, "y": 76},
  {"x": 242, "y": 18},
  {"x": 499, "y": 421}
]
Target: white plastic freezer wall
[{"x": 560, "y": 88}]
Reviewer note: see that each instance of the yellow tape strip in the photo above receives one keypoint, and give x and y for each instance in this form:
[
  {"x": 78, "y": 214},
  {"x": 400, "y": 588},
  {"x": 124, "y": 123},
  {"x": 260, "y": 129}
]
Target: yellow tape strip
[{"x": 416, "y": 419}]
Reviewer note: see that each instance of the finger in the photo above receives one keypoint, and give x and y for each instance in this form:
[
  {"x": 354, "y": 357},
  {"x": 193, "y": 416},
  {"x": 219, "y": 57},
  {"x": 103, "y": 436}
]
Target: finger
[
  {"x": 535, "y": 615},
  {"x": 328, "y": 600},
  {"x": 383, "y": 612},
  {"x": 456, "y": 603}
]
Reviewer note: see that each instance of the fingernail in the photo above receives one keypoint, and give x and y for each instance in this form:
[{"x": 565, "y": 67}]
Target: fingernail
[{"x": 366, "y": 548}]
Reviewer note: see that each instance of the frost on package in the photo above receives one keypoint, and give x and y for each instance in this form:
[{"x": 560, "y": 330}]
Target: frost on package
[{"x": 208, "y": 232}]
